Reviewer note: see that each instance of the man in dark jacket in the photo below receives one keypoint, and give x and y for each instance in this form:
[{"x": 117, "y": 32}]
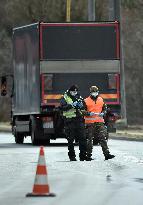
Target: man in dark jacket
[{"x": 72, "y": 105}]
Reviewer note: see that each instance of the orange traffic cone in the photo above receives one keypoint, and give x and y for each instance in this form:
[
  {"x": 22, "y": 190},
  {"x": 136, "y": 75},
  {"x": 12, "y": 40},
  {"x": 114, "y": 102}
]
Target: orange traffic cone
[{"x": 41, "y": 187}]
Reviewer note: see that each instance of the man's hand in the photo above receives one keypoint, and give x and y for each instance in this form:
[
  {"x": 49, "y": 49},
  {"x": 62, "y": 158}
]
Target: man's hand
[
  {"x": 80, "y": 104},
  {"x": 74, "y": 104},
  {"x": 101, "y": 114}
]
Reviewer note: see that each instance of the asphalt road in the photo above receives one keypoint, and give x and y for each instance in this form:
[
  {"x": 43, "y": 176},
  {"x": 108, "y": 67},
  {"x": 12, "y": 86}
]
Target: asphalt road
[{"x": 117, "y": 181}]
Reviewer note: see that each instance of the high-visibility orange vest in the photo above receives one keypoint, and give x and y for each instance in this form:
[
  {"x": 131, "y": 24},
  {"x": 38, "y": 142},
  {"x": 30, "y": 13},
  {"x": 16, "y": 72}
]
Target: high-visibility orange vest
[{"x": 96, "y": 107}]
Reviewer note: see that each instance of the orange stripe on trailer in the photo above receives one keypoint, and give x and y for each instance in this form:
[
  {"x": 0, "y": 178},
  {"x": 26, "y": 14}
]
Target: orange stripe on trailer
[
  {"x": 57, "y": 97},
  {"x": 47, "y": 97},
  {"x": 113, "y": 103},
  {"x": 41, "y": 170},
  {"x": 53, "y": 103},
  {"x": 109, "y": 96}
]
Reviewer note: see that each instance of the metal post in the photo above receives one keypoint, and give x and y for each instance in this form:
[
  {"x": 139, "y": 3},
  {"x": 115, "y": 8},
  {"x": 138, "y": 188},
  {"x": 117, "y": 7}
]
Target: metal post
[
  {"x": 111, "y": 10},
  {"x": 91, "y": 10},
  {"x": 68, "y": 11},
  {"x": 114, "y": 10},
  {"x": 115, "y": 15}
]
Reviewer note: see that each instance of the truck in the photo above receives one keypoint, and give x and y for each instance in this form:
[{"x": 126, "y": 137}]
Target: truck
[{"x": 50, "y": 57}]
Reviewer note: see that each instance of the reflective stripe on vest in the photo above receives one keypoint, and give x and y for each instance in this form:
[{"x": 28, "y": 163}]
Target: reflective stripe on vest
[
  {"x": 91, "y": 118},
  {"x": 96, "y": 107},
  {"x": 72, "y": 112}
]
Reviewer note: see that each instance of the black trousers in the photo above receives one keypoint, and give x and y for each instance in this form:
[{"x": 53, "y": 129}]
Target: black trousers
[{"x": 75, "y": 128}]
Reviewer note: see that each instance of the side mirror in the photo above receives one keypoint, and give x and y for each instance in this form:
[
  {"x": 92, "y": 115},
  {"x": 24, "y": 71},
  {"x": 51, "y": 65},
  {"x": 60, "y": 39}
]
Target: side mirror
[{"x": 3, "y": 86}]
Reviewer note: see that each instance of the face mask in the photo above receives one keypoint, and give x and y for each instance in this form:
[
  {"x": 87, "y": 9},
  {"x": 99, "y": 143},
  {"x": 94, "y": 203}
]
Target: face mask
[
  {"x": 73, "y": 93},
  {"x": 94, "y": 94}
]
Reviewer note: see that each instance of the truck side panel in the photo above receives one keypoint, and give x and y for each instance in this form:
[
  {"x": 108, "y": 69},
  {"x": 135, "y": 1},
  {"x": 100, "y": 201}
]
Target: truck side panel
[{"x": 26, "y": 70}]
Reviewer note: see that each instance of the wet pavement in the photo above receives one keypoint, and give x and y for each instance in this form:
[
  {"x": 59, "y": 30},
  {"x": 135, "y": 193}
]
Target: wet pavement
[{"x": 117, "y": 181}]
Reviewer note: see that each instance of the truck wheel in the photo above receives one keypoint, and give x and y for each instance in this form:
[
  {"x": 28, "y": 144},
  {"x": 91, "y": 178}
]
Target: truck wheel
[
  {"x": 44, "y": 142},
  {"x": 19, "y": 138},
  {"x": 33, "y": 140},
  {"x": 34, "y": 132}
]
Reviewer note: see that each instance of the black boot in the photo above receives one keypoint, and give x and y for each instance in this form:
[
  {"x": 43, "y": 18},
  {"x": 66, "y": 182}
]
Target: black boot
[
  {"x": 82, "y": 157},
  {"x": 73, "y": 159},
  {"x": 109, "y": 156},
  {"x": 72, "y": 156},
  {"x": 89, "y": 159}
]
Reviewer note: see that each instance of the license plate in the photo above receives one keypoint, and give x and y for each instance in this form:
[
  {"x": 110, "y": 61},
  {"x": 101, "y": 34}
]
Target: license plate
[{"x": 48, "y": 124}]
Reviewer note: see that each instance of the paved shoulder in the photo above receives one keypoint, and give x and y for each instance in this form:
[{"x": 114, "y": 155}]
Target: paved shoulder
[
  {"x": 128, "y": 134},
  {"x": 131, "y": 133}
]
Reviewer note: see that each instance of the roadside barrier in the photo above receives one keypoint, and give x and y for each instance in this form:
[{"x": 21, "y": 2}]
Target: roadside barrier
[{"x": 41, "y": 187}]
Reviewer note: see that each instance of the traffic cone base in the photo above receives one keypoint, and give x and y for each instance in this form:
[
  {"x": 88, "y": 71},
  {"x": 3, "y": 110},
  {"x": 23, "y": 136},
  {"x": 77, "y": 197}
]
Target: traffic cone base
[
  {"x": 40, "y": 195},
  {"x": 41, "y": 187}
]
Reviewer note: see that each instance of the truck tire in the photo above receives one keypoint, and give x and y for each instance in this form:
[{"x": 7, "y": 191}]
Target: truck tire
[
  {"x": 33, "y": 140},
  {"x": 44, "y": 142},
  {"x": 19, "y": 138},
  {"x": 36, "y": 131}
]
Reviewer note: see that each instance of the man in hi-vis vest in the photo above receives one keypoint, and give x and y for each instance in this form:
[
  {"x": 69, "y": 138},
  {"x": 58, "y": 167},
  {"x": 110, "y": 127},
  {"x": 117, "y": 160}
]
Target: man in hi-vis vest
[
  {"x": 94, "y": 123},
  {"x": 72, "y": 105}
]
